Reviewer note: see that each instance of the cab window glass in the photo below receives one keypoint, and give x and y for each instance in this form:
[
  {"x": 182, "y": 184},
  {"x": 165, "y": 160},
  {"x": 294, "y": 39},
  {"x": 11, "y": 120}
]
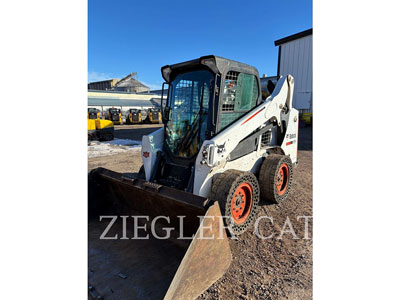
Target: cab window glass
[{"x": 240, "y": 96}]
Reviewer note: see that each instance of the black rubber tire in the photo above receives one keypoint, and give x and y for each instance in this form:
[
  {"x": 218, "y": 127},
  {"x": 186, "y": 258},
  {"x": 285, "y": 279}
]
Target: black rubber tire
[
  {"x": 267, "y": 178},
  {"x": 223, "y": 190}
]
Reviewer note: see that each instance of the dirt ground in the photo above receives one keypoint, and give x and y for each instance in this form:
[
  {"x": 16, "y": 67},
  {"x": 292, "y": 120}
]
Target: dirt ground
[{"x": 278, "y": 267}]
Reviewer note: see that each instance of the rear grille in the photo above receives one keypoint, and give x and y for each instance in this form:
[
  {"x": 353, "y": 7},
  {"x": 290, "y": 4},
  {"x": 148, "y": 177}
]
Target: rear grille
[
  {"x": 266, "y": 139},
  {"x": 115, "y": 117},
  {"x": 135, "y": 117},
  {"x": 230, "y": 86},
  {"x": 155, "y": 116},
  {"x": 228, "y": 107}
]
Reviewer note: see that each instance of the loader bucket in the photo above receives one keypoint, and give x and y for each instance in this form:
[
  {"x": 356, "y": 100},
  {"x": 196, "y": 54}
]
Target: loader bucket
[{"x": 122, "y": 267}]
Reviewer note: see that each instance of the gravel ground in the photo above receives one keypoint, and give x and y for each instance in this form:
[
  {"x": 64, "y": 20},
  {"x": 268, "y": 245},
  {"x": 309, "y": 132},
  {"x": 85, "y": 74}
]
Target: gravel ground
[{"x": 279, "y": 267}]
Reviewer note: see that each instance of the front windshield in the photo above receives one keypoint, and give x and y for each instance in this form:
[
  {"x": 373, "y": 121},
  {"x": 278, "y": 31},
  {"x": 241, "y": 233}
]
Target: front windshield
[{"x": 188, "y": 99}]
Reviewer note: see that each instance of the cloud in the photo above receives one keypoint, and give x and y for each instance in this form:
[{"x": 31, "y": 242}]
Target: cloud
[{"x": 98, "y": 76}]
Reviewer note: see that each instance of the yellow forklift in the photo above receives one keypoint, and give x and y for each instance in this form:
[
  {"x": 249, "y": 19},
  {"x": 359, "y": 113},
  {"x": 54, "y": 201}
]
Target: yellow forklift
[
  {"x": 134, "y": 116},
  {"x": 114, "y": 115},
  {"x": 153, "y": 116},
  {"x": 93, "y": 113}
]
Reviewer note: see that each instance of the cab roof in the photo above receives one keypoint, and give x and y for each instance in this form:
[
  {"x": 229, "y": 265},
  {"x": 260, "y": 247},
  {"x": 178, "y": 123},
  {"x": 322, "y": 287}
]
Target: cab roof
[{"x": 216, "y": 64}]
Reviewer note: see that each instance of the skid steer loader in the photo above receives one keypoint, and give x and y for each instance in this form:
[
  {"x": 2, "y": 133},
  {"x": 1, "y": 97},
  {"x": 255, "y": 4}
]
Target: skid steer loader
[
  {"x": 114, "y": 115},
  {"x": 93, "y": 113},
  {"x": 153, "y": 116},
  {"x": 222, "y": 152},
  {"x": 134, "y": 116}
]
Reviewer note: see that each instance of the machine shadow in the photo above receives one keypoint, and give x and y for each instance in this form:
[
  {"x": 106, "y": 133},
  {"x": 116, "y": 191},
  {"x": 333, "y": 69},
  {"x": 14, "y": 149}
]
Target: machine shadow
[
  {"x": 134, "y": 133},
  {"x": 305, "y": 138}
]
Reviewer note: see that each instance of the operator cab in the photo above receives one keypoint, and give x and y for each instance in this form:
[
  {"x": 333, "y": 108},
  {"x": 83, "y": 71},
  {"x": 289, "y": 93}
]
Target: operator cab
[{"x": 204, "y": 97}]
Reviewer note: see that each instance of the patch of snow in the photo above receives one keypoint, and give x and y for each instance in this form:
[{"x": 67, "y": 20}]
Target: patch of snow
[
  {"x": 123, "y": 142},
  {"x": 97, "y": 149}
]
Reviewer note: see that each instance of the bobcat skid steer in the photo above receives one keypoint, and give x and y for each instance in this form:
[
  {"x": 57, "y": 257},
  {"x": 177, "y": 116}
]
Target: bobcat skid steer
[{"x": 222, "y": 152}]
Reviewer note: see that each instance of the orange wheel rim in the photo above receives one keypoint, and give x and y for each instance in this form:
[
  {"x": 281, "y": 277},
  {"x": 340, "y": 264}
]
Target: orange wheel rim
[
  {"x": 242, "y": 202},
  {"x": 282, "y": 179}
]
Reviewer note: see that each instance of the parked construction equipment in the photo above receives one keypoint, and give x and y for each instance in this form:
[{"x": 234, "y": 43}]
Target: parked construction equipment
[
  {"x": 102, "y": 130},
  {"x": 114, "y": 115},
  {"x": 153, "y": 116},
  {"x": 93, "y": 113},
  {"x": 133, "y": 116},
  {"x": 306, "y": 117},
  {"x": 223, "y": 151}
]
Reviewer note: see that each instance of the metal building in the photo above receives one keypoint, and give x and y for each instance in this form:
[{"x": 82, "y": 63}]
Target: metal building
[
  {"x": 295, "y": 58},
  {"x": 104, "y": 85},
  {"x": 128, "y": 84},
  {"x": 103, "y": 100}
]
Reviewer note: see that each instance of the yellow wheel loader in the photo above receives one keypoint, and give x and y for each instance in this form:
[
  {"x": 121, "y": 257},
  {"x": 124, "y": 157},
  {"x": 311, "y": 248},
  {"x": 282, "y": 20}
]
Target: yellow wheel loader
[
  {"x": 134, "y": 116},
  {"x": 223, "y": 151},
  {"x": 102, "y": 130},
  {"x": 153, "y": 116}
]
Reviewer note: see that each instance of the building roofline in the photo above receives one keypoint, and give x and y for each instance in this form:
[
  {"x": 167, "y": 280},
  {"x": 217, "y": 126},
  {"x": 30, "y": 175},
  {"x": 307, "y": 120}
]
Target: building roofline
[
  {"x": 101, "y": 81},
  {"x": 112, "y": 92},
  {"x": 293, "y": 37}
]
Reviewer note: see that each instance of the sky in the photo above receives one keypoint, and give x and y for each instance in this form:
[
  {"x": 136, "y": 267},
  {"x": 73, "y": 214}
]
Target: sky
[{"x": 142, "y": 36}]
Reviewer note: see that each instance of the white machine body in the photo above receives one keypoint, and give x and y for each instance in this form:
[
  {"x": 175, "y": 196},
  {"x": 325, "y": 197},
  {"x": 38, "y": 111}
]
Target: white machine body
[{"x": 215, "y": 154}]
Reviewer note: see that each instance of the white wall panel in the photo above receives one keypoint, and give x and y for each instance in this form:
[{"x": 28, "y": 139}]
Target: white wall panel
[{"x": 296, "y": 59}]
